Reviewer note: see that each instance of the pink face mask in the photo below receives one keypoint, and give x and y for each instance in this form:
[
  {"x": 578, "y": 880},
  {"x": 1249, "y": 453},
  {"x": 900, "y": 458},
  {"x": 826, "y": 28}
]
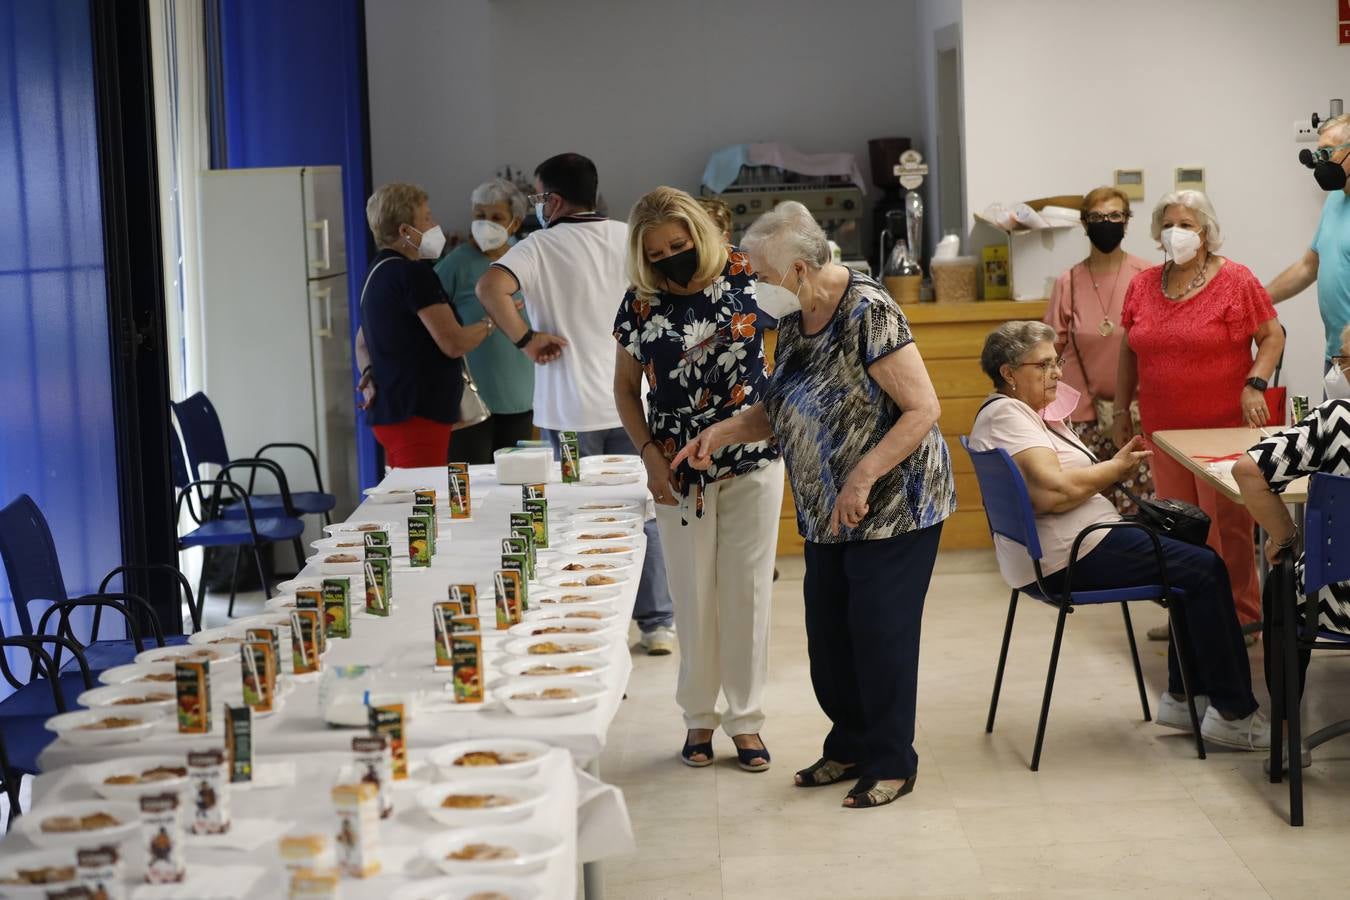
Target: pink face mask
[{"x": 1065, "y": 402}]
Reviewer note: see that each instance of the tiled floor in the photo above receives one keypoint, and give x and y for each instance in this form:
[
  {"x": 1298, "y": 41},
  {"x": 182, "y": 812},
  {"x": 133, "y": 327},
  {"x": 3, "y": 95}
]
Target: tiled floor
[{"x": 1120, "y": 806}]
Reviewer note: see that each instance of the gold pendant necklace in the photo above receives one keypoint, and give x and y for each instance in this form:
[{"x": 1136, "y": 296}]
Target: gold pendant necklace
[{"x": 1106, "y": 326}]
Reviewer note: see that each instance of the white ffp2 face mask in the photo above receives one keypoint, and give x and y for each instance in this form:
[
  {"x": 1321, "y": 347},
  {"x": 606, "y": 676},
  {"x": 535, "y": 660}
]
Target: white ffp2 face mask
[
  {"x": 1336, "y": 386},
  {"x": 488, "y": 235},
  {"x": 777, "y": 300},
  {"x": 433, "y": 242},
  {"x": 1181, "y": 245}
]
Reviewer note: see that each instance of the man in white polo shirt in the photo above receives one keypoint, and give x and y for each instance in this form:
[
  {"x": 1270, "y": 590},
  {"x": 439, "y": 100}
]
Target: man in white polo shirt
[{"x": 573, "y": 276}]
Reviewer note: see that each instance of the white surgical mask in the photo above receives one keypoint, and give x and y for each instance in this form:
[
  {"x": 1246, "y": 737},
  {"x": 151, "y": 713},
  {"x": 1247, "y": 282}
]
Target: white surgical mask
[
  {"x": 777, "y": 300},
  {"x": 488, "y": 235},
  {"x": 1065, "y": 402},
  {"x": 433, "y": 242},
  {"x": 1181, "y": 245},
  {"x": 1336, "y": 386},
  {"x": 539, "y": 214}
]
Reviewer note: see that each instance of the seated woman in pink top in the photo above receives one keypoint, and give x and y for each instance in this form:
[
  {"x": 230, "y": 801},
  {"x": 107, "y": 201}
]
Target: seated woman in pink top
[
  {"x": 1025, "y": 417},
  {"x": 1085, "y": 307},
  {"x": 1189, "y": 326}
]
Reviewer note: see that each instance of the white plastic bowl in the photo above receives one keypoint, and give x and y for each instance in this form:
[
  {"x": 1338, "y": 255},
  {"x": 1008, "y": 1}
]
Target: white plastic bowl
[
  {"x": 575, "y": 582},
  {"x": 447, "y": 888},
  {"x": 601, "y": 614},
  {"x": 95, "y": 774},
  {"x": 443, "y": 757},
  {"x": 612, "y": 476},
  {"x": 108, "y": 697},
  {"x": 617, "y": 564},
  {"x": 350, "y": 543},
  {"x": 128, "y": 817},
  {"x": 594, "y": 596},
  {"x": 591, "y": 647},
  {"x": 591, "y": 532},
  {"x": 632, "y": 507},
  {"x": 584, "y": 627},
  {"x": 356, "y": 567},
  {"x": 379, "y": 494},
  {"x": 12, "y": 863},
  {"x": 134, "y": 673},
  {"x": 533, "y": 849},
  {"x": 597, "y": 519},
  {"x": 525, "y": 797},
  {"x": 221, "y": 656},
  {"x": 516, "y": 667},
  {"x": 68, "y": 726},
  {"x": 610, "y": 461},
  {"x": 357, "y": 528},
  {"x": 616, "y": 549},
  {"x": 588, "y": 693}
]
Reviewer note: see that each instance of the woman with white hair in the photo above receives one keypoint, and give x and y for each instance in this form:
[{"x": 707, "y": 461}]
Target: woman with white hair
[
  {"x": 852, "y": 408},
  {"x": 410, "y": 340},
  {"x": 1189, "y": 326},
  {"x": 505, "y": 377}
]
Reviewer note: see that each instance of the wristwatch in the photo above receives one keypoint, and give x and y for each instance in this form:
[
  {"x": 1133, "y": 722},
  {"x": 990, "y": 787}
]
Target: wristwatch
[
  {"x": 525, "y": 338},
  {"x": 1259, "y": 383}
]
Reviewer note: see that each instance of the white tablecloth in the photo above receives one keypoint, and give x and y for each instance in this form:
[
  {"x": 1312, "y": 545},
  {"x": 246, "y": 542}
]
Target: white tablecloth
[
  {"x": 580, "y": 811},
  {"x": 469, "y": 553}
]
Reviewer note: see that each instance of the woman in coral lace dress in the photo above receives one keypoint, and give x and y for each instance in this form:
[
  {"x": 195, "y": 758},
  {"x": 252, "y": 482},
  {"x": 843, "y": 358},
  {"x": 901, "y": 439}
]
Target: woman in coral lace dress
[{"x": 1190, "y": 324}]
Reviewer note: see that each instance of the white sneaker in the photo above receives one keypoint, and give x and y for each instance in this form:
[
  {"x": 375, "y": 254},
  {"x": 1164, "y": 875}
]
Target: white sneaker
[
  {"x": 658, "y": 641},
  {"x": 1173, "y": 713},
  {"x": 1251, "y": 733},
  {"x": 1305, "y": 760}
]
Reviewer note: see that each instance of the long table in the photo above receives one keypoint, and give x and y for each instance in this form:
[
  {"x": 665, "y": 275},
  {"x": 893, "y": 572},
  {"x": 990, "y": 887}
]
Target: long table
[
  {"x": 1209, "y": 453},
  {"x": 402, "y": 643}
]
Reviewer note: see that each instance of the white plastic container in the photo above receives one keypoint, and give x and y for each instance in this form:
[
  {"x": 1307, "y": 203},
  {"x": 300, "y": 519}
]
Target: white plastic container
[{"x": 523, "y": 465}]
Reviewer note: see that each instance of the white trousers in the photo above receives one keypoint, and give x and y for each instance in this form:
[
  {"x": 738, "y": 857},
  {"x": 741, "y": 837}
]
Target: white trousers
[{"x": 720, "y": 570}]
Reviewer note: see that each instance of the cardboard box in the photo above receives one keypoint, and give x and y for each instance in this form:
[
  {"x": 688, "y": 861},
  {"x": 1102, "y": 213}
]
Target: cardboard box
[{"x": 1035, "y": 258}]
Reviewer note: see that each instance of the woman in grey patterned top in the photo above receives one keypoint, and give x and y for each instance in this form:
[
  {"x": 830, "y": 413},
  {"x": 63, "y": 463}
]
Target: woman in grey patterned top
[{"x": 855, "y": 414}]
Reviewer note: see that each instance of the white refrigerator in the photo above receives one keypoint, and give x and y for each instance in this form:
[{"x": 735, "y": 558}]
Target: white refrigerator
[{"x": 276, "y": 325}]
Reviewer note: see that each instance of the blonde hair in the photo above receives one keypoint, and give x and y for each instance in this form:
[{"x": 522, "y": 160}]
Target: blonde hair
[
  {"x": 1196, "y": 202},
  {"x": 720, "y": 212},
  {"x": 661, "y": 207},
  {"x": 392, "y": 205}
]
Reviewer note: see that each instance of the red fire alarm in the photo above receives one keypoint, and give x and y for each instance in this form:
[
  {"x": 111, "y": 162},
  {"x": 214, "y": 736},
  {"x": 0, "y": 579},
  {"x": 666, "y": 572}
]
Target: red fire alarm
[{"x": 1345, "y": 32}]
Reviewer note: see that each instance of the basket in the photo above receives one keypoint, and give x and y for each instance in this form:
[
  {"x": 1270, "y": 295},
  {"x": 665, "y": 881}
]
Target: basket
[{"x": 954, "y": 279}]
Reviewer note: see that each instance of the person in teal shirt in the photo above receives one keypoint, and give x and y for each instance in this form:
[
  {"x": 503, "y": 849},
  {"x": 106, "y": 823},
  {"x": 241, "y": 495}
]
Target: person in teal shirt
[
  {"x": 1327, "y": 261},
  {"x": 504, "y": 375}
]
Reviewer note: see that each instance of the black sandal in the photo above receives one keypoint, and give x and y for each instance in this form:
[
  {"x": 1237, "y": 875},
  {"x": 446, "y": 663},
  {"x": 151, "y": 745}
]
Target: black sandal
[
  {"x": 822, "y": 772},
  {"x": 746, "y": 756},
  {"x": 868, "y": 792},
  {"x": 687, "y": 754}
]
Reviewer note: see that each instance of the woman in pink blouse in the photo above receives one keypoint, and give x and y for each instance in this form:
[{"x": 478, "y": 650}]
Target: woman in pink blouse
[
  {"x": 1189, "y": 327},
  {"x": 1085, "y": 306}
]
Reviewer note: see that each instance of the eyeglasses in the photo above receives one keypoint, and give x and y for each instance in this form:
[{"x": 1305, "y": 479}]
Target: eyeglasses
[
  {"x": 1045, "y": 365},
  {"x": 1097, "y": 218},
  {"x": 538, "y": 198}
]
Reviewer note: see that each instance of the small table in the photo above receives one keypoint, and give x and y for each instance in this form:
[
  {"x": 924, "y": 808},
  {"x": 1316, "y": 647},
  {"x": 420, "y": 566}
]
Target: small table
[{"x": 1200, "y": 449}]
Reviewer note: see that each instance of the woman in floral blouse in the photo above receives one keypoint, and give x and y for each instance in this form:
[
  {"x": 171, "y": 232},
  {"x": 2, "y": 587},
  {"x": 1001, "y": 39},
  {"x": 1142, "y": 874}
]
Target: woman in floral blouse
[{"x": 690, "y": 324}]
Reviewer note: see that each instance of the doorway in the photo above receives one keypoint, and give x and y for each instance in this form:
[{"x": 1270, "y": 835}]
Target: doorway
[{"x": 951, "y": 174}]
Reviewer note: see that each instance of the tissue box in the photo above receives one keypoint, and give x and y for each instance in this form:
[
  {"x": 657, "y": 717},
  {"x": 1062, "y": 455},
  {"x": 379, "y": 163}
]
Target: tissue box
[{"x": 517, "y": 465}]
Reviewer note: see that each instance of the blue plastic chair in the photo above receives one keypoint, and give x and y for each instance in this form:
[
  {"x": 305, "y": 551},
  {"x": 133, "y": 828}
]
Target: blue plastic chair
[
  {"x": 1326, "y": 560},
  {"x": 205, "y": 441},
  {"x": 1008, "y": 509},
  {"x": 215, "y": 530},
  {"x": 34, "y": 571},
  {"x": 37, "y": 697}
]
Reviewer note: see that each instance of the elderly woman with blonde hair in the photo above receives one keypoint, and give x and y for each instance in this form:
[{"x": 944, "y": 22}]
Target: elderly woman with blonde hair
[
  {"x": 851, "y": 405},
  {"x": 1189, "y": 326},
  {"x": 690, "y": 325},
  {"x": 410, "y": 340}
]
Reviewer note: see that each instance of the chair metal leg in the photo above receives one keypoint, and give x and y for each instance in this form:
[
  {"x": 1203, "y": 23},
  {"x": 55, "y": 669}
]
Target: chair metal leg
[
  {"x": 234, "y": 578},
  {"x": 1181, "y": 641},
  {"x": 262, "y": 576},
  {"x": 1275, "y": 657},
  {"x": 1002, "y": 660},
  {"x": 299, "y": 549},
  {"x": 1134, "y": 655},
  {"x": 1291, "y": 704},
  {"x": 1049, "y": 688},
  {"x": 201, "y": 583}
]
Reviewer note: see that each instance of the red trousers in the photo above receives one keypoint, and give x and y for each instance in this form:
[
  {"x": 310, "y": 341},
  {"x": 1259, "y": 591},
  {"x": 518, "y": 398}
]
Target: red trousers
[
  {"x": 414, "y": 443},
  {"x": 1230, "y": 531}
]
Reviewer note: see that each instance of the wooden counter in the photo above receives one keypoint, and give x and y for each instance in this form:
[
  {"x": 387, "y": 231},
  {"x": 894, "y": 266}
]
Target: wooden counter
[{"x": 950, "y": 337}]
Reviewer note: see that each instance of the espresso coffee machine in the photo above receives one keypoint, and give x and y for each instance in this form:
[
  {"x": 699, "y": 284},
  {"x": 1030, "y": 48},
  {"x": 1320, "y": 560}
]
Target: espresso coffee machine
[{"x": 883, "y": 153}]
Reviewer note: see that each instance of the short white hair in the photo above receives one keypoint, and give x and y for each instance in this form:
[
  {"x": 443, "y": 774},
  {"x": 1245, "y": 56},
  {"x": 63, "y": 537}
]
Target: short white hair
[
  {"x": 1339, "y": 123},
  {"x": 1196, "y": 202},
  {"x": 499, "y": 190},
  {"x": 785, "y": 234}
]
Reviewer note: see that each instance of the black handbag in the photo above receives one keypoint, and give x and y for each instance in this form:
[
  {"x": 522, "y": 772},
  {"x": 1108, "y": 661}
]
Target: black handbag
[{"x": 1174, "y": 518}]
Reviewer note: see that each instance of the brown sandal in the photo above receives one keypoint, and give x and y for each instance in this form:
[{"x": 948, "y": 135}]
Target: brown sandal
[
  {"x": 869, "y": 793},
  {"x": 822, "y": 772}
]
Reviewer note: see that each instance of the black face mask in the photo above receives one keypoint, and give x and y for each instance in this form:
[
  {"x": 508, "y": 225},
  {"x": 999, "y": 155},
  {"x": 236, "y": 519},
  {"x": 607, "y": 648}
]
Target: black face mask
[
  {"x": 679, "y": 268},
  {"x": 1106, "y": 236},
  {"x": 1330, "y": 176}
]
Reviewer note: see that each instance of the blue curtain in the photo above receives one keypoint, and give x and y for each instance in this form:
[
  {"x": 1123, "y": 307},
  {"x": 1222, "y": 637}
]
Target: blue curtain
[
  {"x": 293, "y": 85},
  {"x": 56, "y": 420}
]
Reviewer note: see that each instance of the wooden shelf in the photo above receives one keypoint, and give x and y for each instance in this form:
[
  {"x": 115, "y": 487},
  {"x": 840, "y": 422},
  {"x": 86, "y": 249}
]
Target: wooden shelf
[{"x": 978, "y": 311}]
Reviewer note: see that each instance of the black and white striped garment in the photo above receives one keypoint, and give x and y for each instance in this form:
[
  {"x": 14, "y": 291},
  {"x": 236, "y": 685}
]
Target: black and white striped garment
[{"x": 1318, "y": 443}]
